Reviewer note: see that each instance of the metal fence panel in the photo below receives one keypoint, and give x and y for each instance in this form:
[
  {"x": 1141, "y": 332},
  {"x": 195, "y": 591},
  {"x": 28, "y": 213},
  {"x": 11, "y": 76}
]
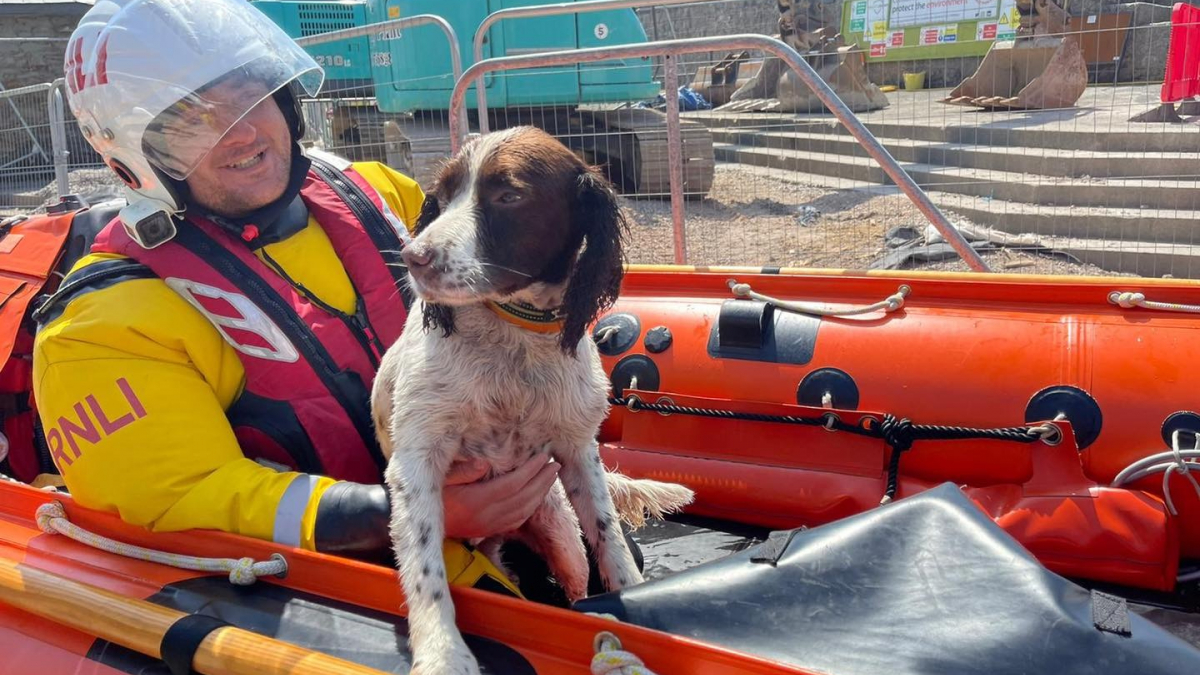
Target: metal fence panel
[{"x": 32, "y": 135}]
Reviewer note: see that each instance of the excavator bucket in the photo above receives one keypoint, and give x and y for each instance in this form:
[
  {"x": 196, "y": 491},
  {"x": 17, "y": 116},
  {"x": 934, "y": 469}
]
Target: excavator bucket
[
  {"x": 841, "y": 67},
  {"x": 717, "y": 83},
  {"x": 1047, "y": 72}
]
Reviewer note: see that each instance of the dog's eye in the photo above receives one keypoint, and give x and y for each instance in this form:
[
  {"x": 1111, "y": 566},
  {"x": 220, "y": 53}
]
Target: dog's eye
[{"x": 507, "y": 197}]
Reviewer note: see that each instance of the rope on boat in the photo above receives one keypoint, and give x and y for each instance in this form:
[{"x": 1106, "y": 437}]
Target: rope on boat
[
  {"x": 612, "y": 659},
  {"x": 891, "y": 303},
  {"x": 52, "y": 518},
  {"x": 1130, "y": 300},
  {"x": 1180, "y": 466},
  {"x": 899, "y": 434},
  {"x": 1174, "y": 460}
]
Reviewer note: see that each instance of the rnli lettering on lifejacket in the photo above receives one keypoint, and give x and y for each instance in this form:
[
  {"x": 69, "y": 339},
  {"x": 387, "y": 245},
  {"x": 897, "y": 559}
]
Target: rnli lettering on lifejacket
[
  {"x": 241, "y": 322},
  {"x": 90, "y": 424}
]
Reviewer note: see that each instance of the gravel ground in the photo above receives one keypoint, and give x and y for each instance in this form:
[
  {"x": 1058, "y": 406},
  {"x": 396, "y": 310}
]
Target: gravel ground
[{"x": 752, "y": 218}]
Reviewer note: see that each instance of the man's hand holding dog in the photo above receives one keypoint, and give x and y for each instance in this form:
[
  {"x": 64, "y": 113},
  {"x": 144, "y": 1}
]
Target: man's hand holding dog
[{"x": 481, "y": 508}]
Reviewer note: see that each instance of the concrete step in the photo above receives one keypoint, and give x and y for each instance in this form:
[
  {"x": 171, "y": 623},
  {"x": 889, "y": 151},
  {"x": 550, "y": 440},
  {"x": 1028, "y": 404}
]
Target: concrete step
[
  {"x": 1148, "y": 259},
  {"x": 1162, "y": 226},
  {"x": 1133, "y": 193},
  {"x": 1040, "y": 161},
  {"x": 1153, "y": 138}
]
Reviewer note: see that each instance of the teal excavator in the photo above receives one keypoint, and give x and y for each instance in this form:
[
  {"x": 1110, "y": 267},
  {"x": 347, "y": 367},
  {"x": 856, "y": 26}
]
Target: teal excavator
[{"x": 387, "y": 95}]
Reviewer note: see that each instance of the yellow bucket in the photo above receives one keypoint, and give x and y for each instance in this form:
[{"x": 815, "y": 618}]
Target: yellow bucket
[{"x": 914, "y": 81}]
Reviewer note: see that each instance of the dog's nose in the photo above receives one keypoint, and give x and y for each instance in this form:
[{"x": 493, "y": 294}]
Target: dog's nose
[{"x": 417, "y": 255}]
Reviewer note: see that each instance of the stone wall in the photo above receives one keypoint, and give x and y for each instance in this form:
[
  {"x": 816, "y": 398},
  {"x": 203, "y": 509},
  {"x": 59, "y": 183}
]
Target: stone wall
[
  {"x": 715, "y": 18},
  {"x": 23, "y": 63}
]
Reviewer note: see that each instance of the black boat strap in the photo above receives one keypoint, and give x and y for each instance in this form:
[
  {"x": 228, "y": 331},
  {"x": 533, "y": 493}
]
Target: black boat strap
[{"x": 182, "y": 640}]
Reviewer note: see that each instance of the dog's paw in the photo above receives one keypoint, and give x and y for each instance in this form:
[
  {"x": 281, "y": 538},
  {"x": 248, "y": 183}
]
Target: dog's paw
[{"x": 456, "y": 662}]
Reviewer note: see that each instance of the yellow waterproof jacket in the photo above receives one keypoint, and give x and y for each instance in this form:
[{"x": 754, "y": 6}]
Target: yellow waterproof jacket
[{"x": 135, "y": 383}]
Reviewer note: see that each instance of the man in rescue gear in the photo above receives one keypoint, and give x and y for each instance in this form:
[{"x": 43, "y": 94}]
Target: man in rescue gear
[{"x": 208, "y": 364}]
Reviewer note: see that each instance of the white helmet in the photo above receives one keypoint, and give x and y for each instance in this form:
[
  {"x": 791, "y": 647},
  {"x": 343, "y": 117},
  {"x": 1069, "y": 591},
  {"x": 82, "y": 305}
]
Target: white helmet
[{"x": 137, "y": 71}]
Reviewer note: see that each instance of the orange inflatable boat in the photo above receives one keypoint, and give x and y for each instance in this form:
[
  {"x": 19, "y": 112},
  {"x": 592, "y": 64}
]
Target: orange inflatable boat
[
  {"x": 969, "y": 351},
  {"x": 895, "y": 472}
]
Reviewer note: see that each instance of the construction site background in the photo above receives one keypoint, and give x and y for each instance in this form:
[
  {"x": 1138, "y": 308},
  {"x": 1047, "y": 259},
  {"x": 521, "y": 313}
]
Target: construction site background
[{"x": 1076, "y": 190}]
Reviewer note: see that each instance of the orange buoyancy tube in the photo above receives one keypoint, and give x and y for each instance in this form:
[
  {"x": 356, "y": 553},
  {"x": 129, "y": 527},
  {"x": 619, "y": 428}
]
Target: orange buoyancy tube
[
  {"x": 29, "y": 251},
  {"x": 970, "y": 351},
  {"x": 324, "y": 603}
]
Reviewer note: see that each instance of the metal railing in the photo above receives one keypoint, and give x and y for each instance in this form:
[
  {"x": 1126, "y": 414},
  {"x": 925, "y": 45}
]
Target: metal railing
[
  {"x": 668, "y": 49},
  {"x": 548, "y": 10},
  {"x": 58, "y": 136}
]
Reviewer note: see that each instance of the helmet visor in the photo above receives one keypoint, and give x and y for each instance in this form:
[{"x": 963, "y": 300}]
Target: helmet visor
[{"x": 182, "y": 135}]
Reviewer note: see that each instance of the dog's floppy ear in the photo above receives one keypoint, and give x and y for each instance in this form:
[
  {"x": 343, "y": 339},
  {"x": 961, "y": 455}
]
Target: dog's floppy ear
[
  {"x": 596, "y": 280},
  {"x": 439, "y": 317}
]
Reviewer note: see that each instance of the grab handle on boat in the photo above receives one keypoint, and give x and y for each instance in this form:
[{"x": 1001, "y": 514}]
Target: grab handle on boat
[
  {"x": 889, "y": 304},
  {"x": 52, "y": 518},
  {"x": 612, "y": 659},
  {"x": 1129, "y": 300}
]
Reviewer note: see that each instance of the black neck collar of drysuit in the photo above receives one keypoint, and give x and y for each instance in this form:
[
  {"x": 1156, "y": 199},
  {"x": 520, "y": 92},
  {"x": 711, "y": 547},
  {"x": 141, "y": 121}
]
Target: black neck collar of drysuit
[{"x": 272, "y": 223}]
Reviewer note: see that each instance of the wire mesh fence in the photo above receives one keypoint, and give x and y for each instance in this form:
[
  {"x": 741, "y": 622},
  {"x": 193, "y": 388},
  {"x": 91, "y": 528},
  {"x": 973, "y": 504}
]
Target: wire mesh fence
[
  {"x": 25, "y": 146},
  {"x": 30, "y": 140},
  {"x": 1062, "y": 189},
  {"x": 772, "y": 180}
]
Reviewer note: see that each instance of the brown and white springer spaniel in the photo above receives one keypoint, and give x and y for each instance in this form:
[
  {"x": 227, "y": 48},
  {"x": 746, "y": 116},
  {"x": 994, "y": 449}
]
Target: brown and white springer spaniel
[{"x": 517, "y": 251}]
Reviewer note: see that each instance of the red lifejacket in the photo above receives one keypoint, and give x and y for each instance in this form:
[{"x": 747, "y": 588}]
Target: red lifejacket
[
  {"x": 309, "y": 369},
  {"x": 29, "y": 251}
]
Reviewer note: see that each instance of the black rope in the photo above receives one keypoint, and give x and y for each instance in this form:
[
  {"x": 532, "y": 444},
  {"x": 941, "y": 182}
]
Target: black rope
[
  {"x": 830, "y": 422},
  {"x": 899, "y": 434}
]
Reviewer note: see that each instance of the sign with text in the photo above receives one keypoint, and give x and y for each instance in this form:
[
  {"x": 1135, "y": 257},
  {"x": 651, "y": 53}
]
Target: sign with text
[
  {"x": 985, "y": 31},
  {"x": 923, "y": 12}
]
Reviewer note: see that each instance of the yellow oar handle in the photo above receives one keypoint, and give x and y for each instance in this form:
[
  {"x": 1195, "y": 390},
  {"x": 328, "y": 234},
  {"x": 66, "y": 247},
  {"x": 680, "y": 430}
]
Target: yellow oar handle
[{"x": 140, "y": 626}]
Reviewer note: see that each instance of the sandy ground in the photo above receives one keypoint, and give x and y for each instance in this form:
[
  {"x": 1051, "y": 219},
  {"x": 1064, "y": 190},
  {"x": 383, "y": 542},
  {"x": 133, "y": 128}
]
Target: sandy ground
[{"x": 756, "y": 219}]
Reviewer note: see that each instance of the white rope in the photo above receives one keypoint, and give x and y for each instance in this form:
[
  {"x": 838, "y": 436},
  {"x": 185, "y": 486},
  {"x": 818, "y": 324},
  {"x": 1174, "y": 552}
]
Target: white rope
[
  {"x": 1130, "y": 300},
  {"x": 611, "y": 659},
  {"x": 52, "y": 518},
  {"x": 1180, "y": 466},
  {"x": 607, "y": 333},
  {"x": 891, "y": 303}
]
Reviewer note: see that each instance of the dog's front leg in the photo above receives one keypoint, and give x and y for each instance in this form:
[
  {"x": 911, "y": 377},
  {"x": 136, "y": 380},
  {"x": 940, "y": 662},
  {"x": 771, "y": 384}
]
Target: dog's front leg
[
  {"x": 418, "y": 527},
  {"x": 582, "y": 475}
]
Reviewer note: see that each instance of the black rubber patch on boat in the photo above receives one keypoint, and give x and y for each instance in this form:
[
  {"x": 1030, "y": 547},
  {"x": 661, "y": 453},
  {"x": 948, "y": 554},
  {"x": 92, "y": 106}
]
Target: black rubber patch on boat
[
  {"x": 1185, "y": 422},
  {"x": 628, "y": 329},
  {"x": 1080, "y": 409},
  {"x": 842, "y": 390},
  {"x": 368, "y": 637},
  {"x": 752, "y": 331},
  {"x": 633, "y": 367}
]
